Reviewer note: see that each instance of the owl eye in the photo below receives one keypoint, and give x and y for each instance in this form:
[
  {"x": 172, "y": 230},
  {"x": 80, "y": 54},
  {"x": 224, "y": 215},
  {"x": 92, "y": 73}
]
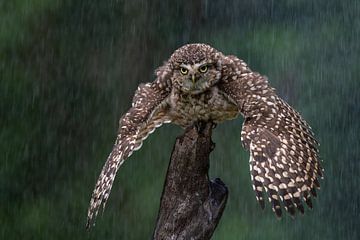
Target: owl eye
[
  {"x": 203, "y": 68},
  {"x": 184, "y": 71}
]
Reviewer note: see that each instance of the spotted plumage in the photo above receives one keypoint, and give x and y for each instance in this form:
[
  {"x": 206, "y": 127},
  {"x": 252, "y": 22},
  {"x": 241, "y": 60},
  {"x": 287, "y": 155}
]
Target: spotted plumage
[{"x": 199, "y": 83}]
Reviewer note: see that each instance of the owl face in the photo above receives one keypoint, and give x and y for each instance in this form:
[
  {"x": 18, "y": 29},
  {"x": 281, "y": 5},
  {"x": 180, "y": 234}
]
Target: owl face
[
  {"x": 195, "y": 78},
  {"x": 195, "y": 68}
]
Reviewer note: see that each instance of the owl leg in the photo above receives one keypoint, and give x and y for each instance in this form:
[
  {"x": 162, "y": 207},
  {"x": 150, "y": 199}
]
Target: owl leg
[{"x": 200, "y": 126}]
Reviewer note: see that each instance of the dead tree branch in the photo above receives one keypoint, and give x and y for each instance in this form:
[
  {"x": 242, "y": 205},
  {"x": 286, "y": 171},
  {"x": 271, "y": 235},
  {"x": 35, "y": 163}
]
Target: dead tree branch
[{"x": 191, "y": 205}]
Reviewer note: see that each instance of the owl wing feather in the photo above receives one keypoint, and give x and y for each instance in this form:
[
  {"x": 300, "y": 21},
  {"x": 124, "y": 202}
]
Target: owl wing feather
[
  {"x": 148, "y": 112},
  {"x": 284, "y": 158}
]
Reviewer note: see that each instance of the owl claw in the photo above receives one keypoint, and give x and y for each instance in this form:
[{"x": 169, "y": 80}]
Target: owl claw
[{"x": 200, "y": 126}]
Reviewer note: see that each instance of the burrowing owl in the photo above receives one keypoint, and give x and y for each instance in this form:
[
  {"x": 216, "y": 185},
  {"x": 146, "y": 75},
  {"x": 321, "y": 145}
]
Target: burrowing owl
[{"x": 199, "y": 83}]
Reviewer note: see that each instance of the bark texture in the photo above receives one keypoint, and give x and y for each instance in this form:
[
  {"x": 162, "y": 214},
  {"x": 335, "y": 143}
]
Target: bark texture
[{"x": 191, "y": 205}]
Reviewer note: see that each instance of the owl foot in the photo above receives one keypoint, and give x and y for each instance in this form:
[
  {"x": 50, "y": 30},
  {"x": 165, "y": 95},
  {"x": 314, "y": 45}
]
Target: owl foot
[{"x": 201, "y": 126}]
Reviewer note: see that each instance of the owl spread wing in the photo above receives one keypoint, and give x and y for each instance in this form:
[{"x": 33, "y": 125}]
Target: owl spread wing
[
  {"x": 148, "y": 112},
  {"x": 283, "y": 161},
  {"x": 284, "y": 157}
]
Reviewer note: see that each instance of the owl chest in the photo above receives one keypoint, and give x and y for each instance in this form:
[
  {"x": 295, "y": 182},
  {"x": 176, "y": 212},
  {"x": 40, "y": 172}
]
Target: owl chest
[{"x": 208, "y": 106}]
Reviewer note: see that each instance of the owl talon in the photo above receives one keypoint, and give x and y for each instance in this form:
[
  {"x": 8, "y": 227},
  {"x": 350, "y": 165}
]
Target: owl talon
[{"x": 200, "y": 126}]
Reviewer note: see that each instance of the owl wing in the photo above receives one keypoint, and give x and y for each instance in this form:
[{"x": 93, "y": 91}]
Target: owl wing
[
  {"x": 284, "y": 157},
  {"x": 283, "y": 162},
  {"x": 148, "y": 112}
]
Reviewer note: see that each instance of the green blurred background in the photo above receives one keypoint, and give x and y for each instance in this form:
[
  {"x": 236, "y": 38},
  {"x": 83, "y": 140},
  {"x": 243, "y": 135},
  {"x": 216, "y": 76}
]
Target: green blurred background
[{"x": 68, "y": 71}]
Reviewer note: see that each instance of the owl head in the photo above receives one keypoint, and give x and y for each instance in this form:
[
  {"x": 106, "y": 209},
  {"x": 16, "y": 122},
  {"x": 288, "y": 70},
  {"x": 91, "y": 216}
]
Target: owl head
[{"x": 195, "y": 68}]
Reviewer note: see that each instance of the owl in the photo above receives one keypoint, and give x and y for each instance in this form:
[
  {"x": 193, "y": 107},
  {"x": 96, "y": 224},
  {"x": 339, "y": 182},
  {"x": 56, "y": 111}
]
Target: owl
[{"x": 199, "y": 83}]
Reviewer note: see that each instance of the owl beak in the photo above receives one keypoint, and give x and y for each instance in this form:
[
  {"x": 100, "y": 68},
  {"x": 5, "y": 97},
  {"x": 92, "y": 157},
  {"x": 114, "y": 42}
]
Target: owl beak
[{"x": 193, "y": 78}]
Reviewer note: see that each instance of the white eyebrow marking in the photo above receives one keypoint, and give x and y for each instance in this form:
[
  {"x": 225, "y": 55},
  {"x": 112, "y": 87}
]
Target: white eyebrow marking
[
  {"x": 187, "y": 66},
  {"x": 197, "y": 65}
]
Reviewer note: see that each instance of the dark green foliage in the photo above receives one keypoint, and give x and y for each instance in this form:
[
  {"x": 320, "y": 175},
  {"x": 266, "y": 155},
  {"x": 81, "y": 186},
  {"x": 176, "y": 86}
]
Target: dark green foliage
[{"x": 68, "y": 71}]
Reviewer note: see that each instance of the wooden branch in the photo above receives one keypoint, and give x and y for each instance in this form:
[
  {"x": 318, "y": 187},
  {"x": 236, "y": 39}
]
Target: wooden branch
[{"x": 191, "y": 205}]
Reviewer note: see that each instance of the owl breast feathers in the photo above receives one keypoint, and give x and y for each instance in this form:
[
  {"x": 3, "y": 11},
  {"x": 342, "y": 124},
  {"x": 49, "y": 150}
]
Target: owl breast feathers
[{"x": 199, "y": 83}]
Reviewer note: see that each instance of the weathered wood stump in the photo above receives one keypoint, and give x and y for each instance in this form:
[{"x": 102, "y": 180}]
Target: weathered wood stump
[{"x": 191, "y": 205}]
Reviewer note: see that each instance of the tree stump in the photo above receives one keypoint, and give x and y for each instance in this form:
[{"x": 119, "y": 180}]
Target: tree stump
[{"x": 191, "y": 205}]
